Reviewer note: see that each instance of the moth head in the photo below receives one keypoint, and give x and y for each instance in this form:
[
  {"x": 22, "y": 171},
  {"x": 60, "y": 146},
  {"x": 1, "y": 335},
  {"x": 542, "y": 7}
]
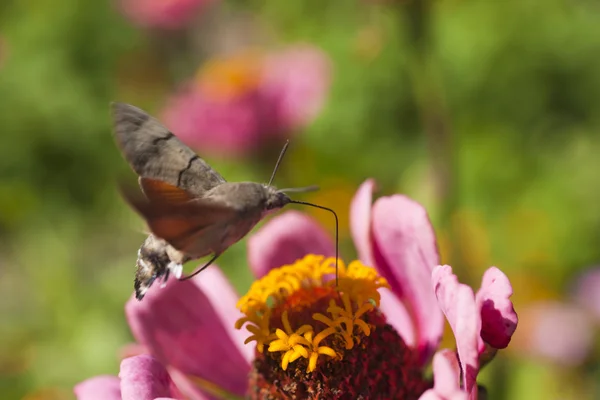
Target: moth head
[{"x": 275, "y": 199}]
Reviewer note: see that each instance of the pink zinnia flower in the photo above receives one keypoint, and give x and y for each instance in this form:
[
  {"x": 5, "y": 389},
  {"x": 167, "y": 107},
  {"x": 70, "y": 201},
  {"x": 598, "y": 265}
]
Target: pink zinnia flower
[
  {"x": 239, "y": 103},
  {"x": 334, "y": 333},
  {"x": 166, "y": 14}
]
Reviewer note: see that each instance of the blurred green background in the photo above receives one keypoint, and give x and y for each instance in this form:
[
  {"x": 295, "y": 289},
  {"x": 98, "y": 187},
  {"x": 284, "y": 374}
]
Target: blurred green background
[{"x": 485, "y": 111}]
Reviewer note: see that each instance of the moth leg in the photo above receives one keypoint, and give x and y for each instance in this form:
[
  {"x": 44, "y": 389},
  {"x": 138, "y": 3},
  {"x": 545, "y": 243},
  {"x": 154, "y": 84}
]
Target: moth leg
[
  {"x": 166, "y": 277},
  {"x": 201, "y": 268}
]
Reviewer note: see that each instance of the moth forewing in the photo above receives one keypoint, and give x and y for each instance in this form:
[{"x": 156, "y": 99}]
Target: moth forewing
[{"x": 154, "y": 152}]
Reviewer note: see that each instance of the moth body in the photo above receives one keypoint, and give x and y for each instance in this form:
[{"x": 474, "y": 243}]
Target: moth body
[
  {"x": 251, "y": 202},
  {"x": 190, "y": 209}
]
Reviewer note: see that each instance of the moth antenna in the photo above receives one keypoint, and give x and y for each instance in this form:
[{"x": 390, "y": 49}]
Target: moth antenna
[
  {"x": 285, "y": 146},
  {"x": 336, "y": 231},
  {"x": 312, "y": 188}
]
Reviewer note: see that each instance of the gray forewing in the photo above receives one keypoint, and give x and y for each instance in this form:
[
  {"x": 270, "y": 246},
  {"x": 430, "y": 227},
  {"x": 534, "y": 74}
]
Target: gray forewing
[{"x": 155, "y": 152}]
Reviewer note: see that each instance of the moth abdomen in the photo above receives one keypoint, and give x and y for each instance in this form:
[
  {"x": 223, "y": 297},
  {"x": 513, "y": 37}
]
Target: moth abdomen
[{"x": 152, "y": 263}]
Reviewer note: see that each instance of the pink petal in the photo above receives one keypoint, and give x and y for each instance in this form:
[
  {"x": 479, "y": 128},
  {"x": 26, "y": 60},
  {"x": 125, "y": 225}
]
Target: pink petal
[
  {"x": 431, "y": 394},
  {"x": 187, "y": 387},
  {"x": 224, "y": 300},
  {"x": 188, "y": 325},
  {"x": 144, "y": 378},
  {"x": 457, "y": 301},
  {"x": 405, "y": 254},
  {"x": 103, "y": 387},
  {"x": 284, "y": 239},
  {"x": 498, "y": 317},
  {"x": 446, "y": 372},
  {"x": 397, "y": 316},
  {"x": 360, "y": 221},
  {"x": 446, "y": 376}
]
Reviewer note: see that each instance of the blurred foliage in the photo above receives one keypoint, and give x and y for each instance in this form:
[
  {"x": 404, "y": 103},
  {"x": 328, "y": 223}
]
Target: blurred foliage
[{"x": 485, "y": 111}]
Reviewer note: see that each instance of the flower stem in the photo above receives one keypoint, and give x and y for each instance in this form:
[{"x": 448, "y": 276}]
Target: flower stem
[{"x": 428, "y": 92}]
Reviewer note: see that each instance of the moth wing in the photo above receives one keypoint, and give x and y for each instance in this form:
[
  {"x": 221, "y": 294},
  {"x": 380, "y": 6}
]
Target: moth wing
[
  {"x": 202, "y": 242},
  {"x": 155, "y": 152},
  {"x": 187, "y": 225},
  {"x": 161, "y": 192}
]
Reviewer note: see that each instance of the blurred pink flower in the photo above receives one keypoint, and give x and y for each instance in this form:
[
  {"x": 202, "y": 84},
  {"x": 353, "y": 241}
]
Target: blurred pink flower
[
  {"x": 586, "y": 292},
  {"x": 230, "y": 126},
  {"x": 563, "y": 332},
  {"x": 238, "y": 103},
  {"x": 166, "y": 14},
  {"x": 555, "y": 331},
  {"x": 295, "y": 84},
  {"x": 189, "y": 326}
]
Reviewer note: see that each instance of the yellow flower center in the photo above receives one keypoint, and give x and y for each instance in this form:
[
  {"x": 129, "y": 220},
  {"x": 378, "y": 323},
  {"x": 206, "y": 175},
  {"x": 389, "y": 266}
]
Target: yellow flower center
[
  {"x": 298, "y": 313},
  {"x": 232, "y": 76}
]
